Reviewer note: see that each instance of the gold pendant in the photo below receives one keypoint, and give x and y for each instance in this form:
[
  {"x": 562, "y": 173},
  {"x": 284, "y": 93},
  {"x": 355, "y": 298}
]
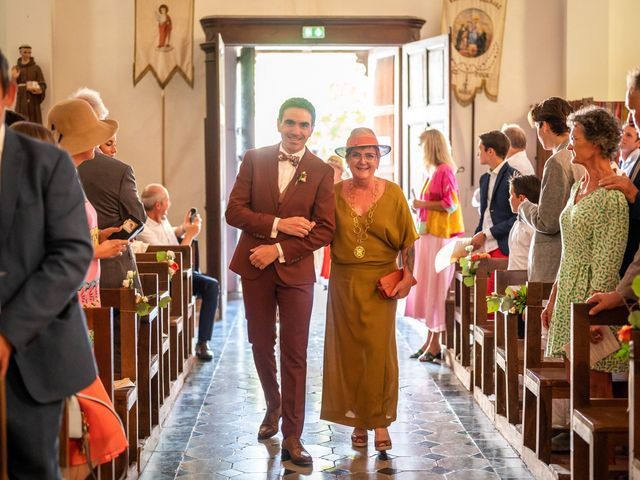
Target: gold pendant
[{"x": 358, "y": 252}]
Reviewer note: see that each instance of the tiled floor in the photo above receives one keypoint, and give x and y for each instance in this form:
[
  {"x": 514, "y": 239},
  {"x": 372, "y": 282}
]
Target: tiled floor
[{"x": 211, "y": 433}]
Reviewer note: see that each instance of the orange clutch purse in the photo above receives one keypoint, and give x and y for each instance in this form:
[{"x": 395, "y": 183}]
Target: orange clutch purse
[{"x": 387, "y": 283}]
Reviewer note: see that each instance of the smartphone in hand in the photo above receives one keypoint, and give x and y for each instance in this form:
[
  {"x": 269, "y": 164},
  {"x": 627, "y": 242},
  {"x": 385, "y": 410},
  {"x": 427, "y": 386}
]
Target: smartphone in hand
[{"x": 192, "y": 214}]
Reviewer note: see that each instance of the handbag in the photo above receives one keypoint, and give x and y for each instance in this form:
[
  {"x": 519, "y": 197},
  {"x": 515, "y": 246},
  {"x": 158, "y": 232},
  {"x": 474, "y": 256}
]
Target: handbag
[{"x": 388, "y": 282}]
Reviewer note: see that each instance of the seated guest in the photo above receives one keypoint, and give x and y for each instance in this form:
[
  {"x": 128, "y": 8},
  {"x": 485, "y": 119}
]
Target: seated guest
[
  {"x": 496, "y": 217},
  {"x": 109, "y": 148},
  {"x": 521, "y": 188},
  {"x": 34, "y": 130},
  {"x": 550, "y": 121},
  {"x": 158, "y": 231},
  {"x": 517, "y": 155},
  {"x": 594, "y": 235}
]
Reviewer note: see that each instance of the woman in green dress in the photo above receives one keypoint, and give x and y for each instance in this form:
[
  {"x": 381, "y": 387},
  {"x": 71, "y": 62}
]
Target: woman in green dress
[
  {"x": 373, "y": 226},
  {"x": 594, "y": 226}
]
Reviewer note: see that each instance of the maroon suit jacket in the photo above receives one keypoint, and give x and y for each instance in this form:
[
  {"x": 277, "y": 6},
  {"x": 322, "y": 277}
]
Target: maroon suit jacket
[{"x": 254, "y": 204}]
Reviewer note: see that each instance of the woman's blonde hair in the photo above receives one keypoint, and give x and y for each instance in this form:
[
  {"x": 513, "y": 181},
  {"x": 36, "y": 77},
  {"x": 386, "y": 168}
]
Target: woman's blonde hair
[{"x": 436, "y": 149}]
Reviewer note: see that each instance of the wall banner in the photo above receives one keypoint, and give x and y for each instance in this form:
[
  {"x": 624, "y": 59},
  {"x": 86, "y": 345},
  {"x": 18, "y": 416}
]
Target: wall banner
[
  {"x": 164, "y": 40},
  {"x": 477, "y": 28}
]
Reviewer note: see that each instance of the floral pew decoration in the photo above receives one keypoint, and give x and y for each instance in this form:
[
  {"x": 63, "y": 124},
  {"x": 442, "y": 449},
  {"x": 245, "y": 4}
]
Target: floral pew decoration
[
  {"x": 469, "y": 265},
  {"x": 168, "y": 257},
  {"x": 624, "y": 334},
  {"x": 513, "y": 301},
  {"x": 143, "y": 307}
]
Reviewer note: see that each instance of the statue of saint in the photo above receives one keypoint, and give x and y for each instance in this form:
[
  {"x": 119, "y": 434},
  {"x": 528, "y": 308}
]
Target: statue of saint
[{"x": 31, "y": 86}]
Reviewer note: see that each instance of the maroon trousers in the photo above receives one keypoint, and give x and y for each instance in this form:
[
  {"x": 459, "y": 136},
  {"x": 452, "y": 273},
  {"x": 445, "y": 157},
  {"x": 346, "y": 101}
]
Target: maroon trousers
[{"x": 294, "y": 304}]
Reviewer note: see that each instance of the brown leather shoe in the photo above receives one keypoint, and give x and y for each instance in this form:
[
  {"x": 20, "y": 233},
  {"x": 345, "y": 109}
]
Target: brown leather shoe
[
  {"x": 269, "y": 426},
  {"x": 293, "y": 450}
]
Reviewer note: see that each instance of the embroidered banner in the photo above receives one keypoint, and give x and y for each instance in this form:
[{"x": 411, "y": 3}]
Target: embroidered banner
[
  {"x": 164, "y": 40},
  {"x": 477, "y": 28}
]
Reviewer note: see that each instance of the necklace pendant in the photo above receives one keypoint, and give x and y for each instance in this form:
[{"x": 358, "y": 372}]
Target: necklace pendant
[{"x": 358, "y": 252}]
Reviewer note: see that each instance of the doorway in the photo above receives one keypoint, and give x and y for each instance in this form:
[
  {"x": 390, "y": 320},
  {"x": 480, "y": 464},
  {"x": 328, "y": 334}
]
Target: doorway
[{"x": 408, "y": 89}]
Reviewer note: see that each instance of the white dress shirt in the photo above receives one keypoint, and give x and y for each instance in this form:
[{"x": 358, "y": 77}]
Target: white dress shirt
[
  {"x": 521, "y": 162},
  {"x": 490, "y": 243},
  {"x": 519, "y": 244},
  {"x": 627, "y": 165},
  {"x": 158, "y": 233}
]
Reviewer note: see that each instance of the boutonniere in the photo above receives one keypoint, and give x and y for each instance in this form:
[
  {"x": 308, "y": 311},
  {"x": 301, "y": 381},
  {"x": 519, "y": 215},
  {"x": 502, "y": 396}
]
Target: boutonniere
[{"x": 302, "y": 178}]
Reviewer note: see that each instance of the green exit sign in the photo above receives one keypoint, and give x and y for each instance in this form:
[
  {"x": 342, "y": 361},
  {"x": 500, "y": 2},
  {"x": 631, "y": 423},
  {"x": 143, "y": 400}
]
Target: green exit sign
[{"x": 313, "y": 32}]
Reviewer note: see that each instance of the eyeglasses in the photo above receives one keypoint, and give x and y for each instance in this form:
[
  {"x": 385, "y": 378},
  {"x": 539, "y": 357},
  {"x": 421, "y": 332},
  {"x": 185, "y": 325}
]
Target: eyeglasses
[{"x": 369, "y": 157}]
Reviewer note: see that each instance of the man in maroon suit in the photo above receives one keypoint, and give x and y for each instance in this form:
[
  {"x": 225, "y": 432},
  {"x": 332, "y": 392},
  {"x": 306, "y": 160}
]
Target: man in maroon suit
[{"x": 283, "y": 202}]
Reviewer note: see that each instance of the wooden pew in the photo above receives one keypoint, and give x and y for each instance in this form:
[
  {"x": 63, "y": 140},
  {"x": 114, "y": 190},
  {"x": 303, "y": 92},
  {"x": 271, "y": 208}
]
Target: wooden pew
[
  {"x": 458, "y": 356},
  {"x": 483, "y": 333},
  {"x": 147, "y": 264},
  {"x": 184, "y": 258},
  {"x": 509, "y": 360},
  {"x": 125, "y": 400},
  {"x": 634, "y": 407},
  {"x": 596, "y": 424}
]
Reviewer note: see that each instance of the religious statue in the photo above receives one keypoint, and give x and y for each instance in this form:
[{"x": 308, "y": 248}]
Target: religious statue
[
  {"x": 31, "y": 86},
  {"x": 164, "y": 27}
]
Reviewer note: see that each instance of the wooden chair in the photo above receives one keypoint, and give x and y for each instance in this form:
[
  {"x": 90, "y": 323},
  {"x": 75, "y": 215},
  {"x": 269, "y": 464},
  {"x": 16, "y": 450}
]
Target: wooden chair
[
  {"x": 634, "y": 407},
  {"x": 147, "y": 264},
  {"x": 483, "y": 328},
  {"x": 596, "y": 424},
  {"x": 509, "y": 351},
  {"x": 183, "y": 290},
  {"x": 543, "y": 380}
]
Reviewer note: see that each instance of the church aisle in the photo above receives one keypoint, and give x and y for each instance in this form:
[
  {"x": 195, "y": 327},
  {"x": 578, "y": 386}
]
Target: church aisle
[{"x": 211, "y": 434}]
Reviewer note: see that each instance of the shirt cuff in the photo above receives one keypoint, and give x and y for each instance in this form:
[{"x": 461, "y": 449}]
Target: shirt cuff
[
  {"x": 274, "y": 230},
  {"x": 488, "y": 235},
  {"x": 280, "y": 253}
]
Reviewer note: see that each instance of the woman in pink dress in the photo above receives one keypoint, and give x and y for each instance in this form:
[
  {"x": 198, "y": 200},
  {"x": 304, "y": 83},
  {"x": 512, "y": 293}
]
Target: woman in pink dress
[{"x": 439, "y": 221}]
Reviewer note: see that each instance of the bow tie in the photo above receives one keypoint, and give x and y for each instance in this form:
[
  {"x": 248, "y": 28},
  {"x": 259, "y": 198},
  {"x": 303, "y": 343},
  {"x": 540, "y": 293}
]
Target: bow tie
[{"x": 292, "y": 159}]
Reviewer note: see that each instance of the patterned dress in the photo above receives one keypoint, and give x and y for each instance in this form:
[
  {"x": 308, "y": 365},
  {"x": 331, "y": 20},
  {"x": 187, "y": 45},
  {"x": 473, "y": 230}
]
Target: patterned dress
[{"x": 594, "y": 237}]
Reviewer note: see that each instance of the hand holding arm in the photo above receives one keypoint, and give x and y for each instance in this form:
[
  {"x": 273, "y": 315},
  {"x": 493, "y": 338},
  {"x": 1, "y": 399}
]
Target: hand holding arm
[
  {"x": 622, "y": 183},
  {"x": 296, "y": 226},
  {"x": 263, "y": 255}
]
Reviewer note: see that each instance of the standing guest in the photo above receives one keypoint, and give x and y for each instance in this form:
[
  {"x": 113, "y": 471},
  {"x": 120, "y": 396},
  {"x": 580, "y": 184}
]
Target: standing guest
[
  {"x": 110, "y": 186},
  {"x": 629, "y": 149},
  {"x": 31, "y": 86},
  {"x": 109, "y": 148},
  {"x": 337, "y": 163},
  {"x": 496, "y": 217},
  {"x": 550, "y": 121},
  {"x": 158, "y": 231},
  {"x": 630, "y": 188},
  {"x": 373, "y": 226},
  {"x": 45, "y": 250},
  {"x": 283, "y": 203},
  {"x": 79, "y": 131},
  {"x": 521, "y": 188},
  {"x": 517, "y": 154},
  {"x": 440, "y": 220},
  {"x": 594, "y": 235},
  {"x": 630, "y": 184}
]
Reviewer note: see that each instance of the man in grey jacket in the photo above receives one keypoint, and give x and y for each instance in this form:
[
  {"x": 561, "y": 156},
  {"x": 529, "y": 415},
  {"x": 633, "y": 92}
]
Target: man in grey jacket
[{"x": 550, "y": 121}]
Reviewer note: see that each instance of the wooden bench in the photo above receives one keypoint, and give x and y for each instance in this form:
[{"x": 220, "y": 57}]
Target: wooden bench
[
  {"x": 183, "y": 290},
  {"x": 596, "y": 424},
  {"x": 509, "y": 352},
  {"x": 483, "y": 332},
  {"x": 634, "y": 407}
]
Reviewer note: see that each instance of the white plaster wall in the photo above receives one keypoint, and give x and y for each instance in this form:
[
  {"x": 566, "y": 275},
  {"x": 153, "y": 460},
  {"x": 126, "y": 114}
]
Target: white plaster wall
[{"x": 624, "y": 46}]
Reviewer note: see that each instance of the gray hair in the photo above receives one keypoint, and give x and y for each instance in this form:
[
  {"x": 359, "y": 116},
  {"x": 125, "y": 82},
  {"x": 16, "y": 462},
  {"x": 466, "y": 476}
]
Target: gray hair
[
  {"x": 600, "y": 128},
  {"x": 633, "y": 79},
  {"x": 152, "y": 194},
  {"x": 93, "y": 98},
  {"x": 516, "y": 135}
]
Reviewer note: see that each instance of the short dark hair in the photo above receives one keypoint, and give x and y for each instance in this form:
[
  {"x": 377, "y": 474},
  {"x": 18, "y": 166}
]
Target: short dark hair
[
  {"x": 600, "y": 128},
  {"x": 554, "y": 111},
  {"x": 4, "y": 73},
  {"x": 497, "y": 140},
  {"x": 298, "y": 102},
  {"x": 527, "y": 185},
  {"x": 516, "y": 135}
]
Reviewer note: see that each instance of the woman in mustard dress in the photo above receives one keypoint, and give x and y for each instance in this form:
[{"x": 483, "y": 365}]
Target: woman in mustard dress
[{"x": 373, "y": 226}]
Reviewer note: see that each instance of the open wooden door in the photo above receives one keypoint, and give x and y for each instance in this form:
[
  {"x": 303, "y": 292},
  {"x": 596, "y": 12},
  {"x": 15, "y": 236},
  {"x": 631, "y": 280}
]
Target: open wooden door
[
  {"x": 215, "y": 165},
  {"x": 384, "y": 72},
  {"x": 425, "y": 102}
]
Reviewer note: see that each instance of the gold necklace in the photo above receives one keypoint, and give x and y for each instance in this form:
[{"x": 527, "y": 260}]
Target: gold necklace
[{"x": 361, "y": 232}]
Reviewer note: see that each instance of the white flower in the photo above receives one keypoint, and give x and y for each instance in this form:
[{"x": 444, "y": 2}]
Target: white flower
[{"x": 171, "y": 255}]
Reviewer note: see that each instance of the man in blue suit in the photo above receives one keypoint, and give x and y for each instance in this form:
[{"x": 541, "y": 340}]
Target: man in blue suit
[
  {"x": 492, "y": 232},
  {"x": 45, "y": 250}
]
